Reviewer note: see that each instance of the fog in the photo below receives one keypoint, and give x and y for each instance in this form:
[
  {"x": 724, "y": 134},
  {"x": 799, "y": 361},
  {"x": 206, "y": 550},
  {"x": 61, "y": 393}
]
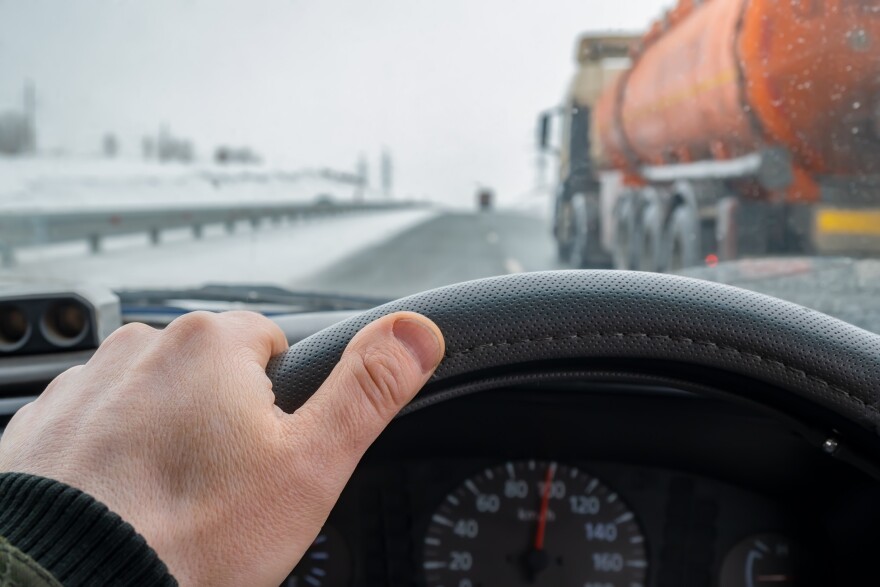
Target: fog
[{"x": 452, "y": 89}]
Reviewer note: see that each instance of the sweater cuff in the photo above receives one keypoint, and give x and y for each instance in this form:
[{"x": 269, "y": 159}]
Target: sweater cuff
[{"x": 74, "y": 536}]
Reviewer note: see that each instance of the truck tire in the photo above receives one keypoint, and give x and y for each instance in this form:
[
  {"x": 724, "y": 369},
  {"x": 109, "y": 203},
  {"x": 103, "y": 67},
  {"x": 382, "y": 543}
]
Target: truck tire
[
  {"x": 563, "y": 251},
  {"x": 563, "y": 231},
  {"x": 586, "y": 250},
  {"x": 683, "y": 240},
  {"x": 625, "y": 234},
  {"x": 650, "y": 254}
]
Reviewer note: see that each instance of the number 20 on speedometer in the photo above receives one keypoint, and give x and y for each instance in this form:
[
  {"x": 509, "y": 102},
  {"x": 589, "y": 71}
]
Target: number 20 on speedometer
[{"x": 534, "y": 523}]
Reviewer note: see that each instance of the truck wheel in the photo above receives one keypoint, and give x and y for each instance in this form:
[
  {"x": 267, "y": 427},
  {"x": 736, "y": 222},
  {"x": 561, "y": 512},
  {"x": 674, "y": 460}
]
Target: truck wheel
[
  {"x": 651, "y": 255},
  {"x": 563, "y": 251},
  {"x": 563, "y": 232},
  {"x": 585, "y": 251},
  {"x": 625, "y": 234},
  {"x": 683, "y": 244}
]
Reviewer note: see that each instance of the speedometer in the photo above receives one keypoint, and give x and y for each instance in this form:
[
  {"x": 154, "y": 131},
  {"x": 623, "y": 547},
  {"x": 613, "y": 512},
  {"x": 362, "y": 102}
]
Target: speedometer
[{"x": 534, "y": 523}]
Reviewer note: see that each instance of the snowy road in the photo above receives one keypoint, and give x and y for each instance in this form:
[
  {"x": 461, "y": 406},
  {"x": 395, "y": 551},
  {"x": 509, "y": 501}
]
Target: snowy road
[
  {"x": 386, "y": 254},
  {"x": 447, "y": 248},
  {"x": 381, "y": 253}
]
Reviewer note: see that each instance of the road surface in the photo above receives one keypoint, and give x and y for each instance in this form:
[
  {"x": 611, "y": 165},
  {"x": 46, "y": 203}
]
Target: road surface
[{"x": 444, "y": 249}]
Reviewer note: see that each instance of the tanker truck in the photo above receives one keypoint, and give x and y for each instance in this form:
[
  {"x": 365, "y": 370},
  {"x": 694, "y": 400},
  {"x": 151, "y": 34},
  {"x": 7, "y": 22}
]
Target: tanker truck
[{"x": 732, "y": 128}]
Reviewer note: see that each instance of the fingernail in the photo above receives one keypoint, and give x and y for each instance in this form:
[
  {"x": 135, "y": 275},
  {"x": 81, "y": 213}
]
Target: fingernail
[{"x": 420, "y": 341}]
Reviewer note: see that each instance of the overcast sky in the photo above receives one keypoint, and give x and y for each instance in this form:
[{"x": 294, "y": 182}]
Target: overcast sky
[{"x": 451, "y": 87}]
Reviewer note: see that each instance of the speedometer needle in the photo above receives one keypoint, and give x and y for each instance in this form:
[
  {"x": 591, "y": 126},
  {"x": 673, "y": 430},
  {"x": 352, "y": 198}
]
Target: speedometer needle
[
  {"x": 536, "y": 559},
  {"x": 545, "y": 505}
]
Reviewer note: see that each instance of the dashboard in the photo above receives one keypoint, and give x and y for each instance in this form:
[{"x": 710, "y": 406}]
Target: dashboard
[
  {"x": 582, "y": 484},
  {"x": 594, "y": 486}
]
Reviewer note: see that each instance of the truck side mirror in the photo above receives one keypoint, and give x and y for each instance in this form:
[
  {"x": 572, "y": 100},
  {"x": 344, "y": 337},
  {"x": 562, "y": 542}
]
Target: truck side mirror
[{"x": 544, "y": 131}]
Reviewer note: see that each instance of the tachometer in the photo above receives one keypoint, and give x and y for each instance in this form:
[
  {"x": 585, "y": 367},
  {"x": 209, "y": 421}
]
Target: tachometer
[{"x": 534, "y": 523}]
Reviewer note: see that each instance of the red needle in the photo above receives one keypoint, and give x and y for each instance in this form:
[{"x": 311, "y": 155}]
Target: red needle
[{"x": 545, "y": 504}]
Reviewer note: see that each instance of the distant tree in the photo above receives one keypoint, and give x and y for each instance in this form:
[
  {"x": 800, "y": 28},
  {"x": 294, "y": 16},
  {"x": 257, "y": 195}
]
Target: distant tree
[
  {"x": 15, "y": 133},
  {"x": 110, "y": 145},
  {"x": 148, "y": 148}
]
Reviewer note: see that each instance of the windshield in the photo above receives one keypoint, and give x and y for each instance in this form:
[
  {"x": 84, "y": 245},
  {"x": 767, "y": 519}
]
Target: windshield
[{"x": 371, "y": 150}]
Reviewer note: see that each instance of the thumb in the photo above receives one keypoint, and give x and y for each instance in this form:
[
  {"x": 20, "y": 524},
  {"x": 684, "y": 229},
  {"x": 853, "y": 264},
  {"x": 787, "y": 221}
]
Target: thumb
[{"x": 381, "y": 370}]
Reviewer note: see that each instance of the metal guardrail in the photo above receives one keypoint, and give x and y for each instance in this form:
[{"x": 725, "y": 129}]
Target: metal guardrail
[{"x": 23, "y": 229}]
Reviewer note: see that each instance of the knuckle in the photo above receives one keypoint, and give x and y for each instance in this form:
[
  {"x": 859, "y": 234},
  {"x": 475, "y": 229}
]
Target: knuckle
[
  {"x": 70, "y": 372},
  {"x": 244, "y": 316},
  {"x": 378, "y": 376},
  {"x": 191, "y": 325},
  {"x": 22, "y": 412},
  {"x": 131, "y": 333}
]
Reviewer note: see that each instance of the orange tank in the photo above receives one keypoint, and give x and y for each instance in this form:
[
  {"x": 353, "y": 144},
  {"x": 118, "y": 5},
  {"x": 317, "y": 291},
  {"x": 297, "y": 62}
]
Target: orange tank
[{"x": 722, "y": 78}]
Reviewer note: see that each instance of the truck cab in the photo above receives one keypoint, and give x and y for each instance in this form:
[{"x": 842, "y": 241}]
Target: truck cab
[{"x": 569, "y": 134}]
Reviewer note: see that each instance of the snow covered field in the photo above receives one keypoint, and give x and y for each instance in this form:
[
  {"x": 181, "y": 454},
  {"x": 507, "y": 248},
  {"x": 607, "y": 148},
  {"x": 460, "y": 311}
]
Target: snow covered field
[{"x": 42, "y": 184}]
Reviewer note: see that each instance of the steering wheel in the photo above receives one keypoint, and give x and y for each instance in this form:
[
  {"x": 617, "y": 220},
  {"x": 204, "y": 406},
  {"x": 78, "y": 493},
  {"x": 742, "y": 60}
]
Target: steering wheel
[{"x": 819, "y": 373}]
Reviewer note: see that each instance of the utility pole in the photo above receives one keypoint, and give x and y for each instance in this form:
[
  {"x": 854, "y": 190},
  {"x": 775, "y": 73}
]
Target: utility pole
[
  {"x": 29, "y": 111},
  {"x": 387, "y": 169},
  {"x": 363, "y": 172}
]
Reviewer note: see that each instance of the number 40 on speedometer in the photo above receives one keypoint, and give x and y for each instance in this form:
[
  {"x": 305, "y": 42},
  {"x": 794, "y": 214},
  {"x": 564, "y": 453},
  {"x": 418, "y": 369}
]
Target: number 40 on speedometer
[{"x": 534, "y": 523}]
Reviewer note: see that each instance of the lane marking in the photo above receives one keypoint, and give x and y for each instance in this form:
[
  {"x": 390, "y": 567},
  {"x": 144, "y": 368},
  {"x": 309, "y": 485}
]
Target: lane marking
[{"x": 511, "y": 265}]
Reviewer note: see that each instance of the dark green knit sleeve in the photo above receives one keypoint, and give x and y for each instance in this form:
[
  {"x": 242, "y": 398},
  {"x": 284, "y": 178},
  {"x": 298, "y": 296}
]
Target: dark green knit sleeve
[
  {"x": 74, "y": 537},
  {"x": 19, "y": 570}
]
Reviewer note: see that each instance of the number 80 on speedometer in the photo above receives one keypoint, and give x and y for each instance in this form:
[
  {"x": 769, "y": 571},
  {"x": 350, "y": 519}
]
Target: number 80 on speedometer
[{"x": 534, "y": 523}]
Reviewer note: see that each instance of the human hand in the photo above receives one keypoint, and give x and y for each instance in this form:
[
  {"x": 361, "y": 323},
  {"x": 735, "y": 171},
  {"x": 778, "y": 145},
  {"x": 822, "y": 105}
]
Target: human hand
[{"x": 177, "y": 432}]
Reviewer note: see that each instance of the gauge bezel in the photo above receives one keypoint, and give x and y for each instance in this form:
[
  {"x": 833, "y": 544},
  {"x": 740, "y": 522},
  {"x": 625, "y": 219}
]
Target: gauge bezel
[{"x": 513, "y": 469}]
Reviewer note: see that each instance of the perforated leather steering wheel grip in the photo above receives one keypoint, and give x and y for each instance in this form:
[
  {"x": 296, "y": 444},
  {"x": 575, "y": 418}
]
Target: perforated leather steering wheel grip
[{"x": 503, "y": 322}]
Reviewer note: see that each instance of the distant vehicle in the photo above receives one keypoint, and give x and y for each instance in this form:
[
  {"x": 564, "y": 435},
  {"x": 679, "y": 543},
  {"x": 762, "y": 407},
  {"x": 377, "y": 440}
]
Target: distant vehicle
[
  {"x": 709, "y": 139},
  {"x": 485, "y": 199},
  {"x": 324, "y": 200}
]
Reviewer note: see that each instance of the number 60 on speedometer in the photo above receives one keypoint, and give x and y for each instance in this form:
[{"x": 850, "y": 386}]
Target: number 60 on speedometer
[{"x": 534, "y": 523}]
